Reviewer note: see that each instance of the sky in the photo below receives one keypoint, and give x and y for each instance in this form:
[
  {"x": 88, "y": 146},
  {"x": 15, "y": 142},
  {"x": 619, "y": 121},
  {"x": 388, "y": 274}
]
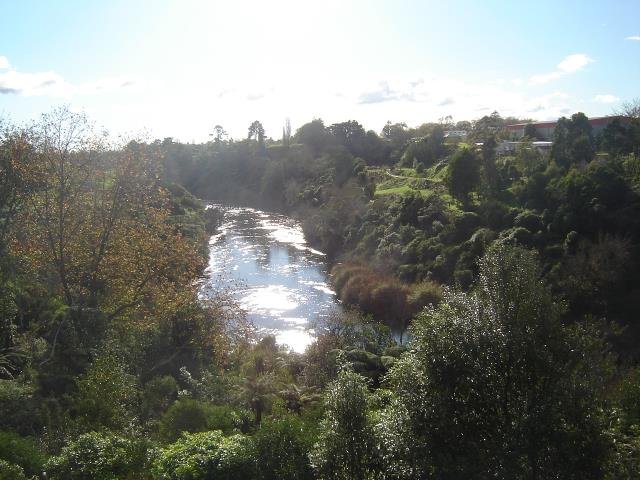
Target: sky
[{"x": 177, "y": 68}]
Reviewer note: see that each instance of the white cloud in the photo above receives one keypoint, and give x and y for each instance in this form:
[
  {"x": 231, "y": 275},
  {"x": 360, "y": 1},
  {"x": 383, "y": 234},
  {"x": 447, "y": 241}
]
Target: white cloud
[
  {"x": 573, "y": 63},
  {"x": 51, "y": 84},
  {"x": 29, "y": 84},
  {"x": 570, "y": 64},
  {"x": 606, "y": 98},
  {"x": 635, "y": 38}
]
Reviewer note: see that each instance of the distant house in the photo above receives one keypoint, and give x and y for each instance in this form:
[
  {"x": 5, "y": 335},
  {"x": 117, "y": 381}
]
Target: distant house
[
  {"x": 506, "y": 147},
  {"x": 455, "y": 133},
  {"x": 544, "y": 130}
]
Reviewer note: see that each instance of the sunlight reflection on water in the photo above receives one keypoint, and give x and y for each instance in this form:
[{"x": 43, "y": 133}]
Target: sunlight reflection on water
[{"x": 283, "y": 281}]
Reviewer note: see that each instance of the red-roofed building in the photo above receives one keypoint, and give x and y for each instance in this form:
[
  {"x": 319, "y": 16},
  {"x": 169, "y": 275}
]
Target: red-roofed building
[{"x": 544, "y": 130}]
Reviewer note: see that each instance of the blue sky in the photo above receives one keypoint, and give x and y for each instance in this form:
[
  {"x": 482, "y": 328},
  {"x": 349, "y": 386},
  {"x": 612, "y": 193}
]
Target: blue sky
[{"x": 177, "y": 68}]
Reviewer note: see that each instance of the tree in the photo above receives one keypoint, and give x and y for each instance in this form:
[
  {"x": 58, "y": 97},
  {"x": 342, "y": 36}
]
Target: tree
[
  {"x": 96, "y": 231},
  {"x": 573, "y": 140},
  {"x": 261, "y": 380},
  {"x": 528, "y": 158},
  {"x": 16, "y": 176},
  {"x": 107, "y": 395},
  {"x": 463, "y": 174},
  {"x": 630, "y": 108},
  {"x": 344, "y": 448},
  {"x": 282, "y": 450},
  {"x": 350, "y": 134},
  {"x": 206, "y": 456},
  {"x": 616, "y": 139},
  {"x": 489, "y": 163},
  {"x": 494, "y": 386},
  {"x": 286, "y": 133},
  {"x": 396, "y": 133},
  {"x": 426, "y": 150},
  {"x": 487, "y": 125},
  {"x": 530, "y": 131},
  {"x": 314, "y": 135},
  {"x": 100, "y": 456},
  {"x": 100, "y": 220},
  {"x": 256, "y": 132},
  {"x": 219, "y": 134}
]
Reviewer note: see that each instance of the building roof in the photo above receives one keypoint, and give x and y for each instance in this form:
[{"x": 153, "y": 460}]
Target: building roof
[{"x": 593, "y": 121}]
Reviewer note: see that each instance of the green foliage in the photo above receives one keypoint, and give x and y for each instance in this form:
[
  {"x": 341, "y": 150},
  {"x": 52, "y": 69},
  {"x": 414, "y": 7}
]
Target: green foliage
[
  {"x": 101, "y": 456},
  {"x": 18, "y": 408},
  {"x": 424, "y": 294},
  {"x": 494, "y": 385},
  {"x": 282, "y": 449},
  {"x": 313, "y": 134},
  {"x": 158, "y": 394},
  {"x": 463, "y": 174},
  {"x": 424, "y": 151},
  {"x": 500, "y": 382},
  {"x": 573, "y": 141},
  {"x": 188, "y": 415},
  {"x": 107, "y": 394},
  {"x": 207, "y": 456},
  {"x": 21, "y": 451},
  {"x": 345, "y": 446},
  {"x": 10, "y": 471}
]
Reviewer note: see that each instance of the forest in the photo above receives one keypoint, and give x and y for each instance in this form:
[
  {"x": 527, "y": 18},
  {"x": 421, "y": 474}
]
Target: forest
[{"x": 489, "y": 327}]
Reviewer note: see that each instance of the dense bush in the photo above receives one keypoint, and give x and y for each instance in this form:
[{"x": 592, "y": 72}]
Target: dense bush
[
  {"x": 494, "y": 385},
  {"x": 10, "y": 471},
  {"x": 17, "y": 406},
  {"x": 188, "y": 415},
  {"x": 21, "y": 451},
  {"x": 207, "y": 456},
  {"x": 282, "y": 449},
  {"x": 101, "y": 456},
  {"x": 345, "y": 447}
]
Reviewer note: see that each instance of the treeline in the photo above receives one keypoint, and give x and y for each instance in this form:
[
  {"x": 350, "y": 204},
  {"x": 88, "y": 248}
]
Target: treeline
[
  {"x": 431, "y": 217},
  {"x": 112, "y": 368}
]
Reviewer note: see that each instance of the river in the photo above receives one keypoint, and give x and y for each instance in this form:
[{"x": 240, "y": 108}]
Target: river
[{"x": 276, "y": 277}]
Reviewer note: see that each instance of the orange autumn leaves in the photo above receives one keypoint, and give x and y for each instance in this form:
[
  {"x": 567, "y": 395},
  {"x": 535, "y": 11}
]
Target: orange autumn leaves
[{"x": 94, "y": 228}]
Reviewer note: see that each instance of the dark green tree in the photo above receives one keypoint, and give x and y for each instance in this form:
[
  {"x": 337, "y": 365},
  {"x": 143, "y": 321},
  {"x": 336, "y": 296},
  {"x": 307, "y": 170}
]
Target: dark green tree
[
  {"x": 282, "y": 450},
  {"x": 256, "y": 132},
  {"x": 463, "y": 174},
  {"x": 489, "y": 164},
  {"x": 573, "y": 140},
  {"x": 344, "y": 450},
  {"x": 494, "y": 386},
  {"x": 530, "y": 131},
  {"x": 314, "y": 135},
  {"x": 615, "y": 139}
]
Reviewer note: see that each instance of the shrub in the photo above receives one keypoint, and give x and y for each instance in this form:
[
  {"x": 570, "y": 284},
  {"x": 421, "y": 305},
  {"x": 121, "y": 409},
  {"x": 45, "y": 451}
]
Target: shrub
[
  {"x": 282, "y": 448},
  {"x": 207, "y": 456},
  {"x": 21, "y": 451},
  {"x": 107, "y": 394},
  {"x": 423, "y": 294},
  {"x": 464, "y": 278},
  {"x": 465, "y": 224},
  {"x": 495, "y": 214},
  {"x": 158, "y": 394},
  {"x": 188, "y": 415},
  {"x": 11, "y": 471},
  {"x": 343, "y": 273},
  {"x": 529, "y": 220},
  {"x": 100, "y": 456},
  {"x": 346, "y": 442},
  {"x": 17, "y": 406}
]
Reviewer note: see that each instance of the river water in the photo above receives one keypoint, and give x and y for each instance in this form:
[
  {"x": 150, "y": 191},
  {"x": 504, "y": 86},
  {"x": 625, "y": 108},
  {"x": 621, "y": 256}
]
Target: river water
[{"x": 276, "y": 277}]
